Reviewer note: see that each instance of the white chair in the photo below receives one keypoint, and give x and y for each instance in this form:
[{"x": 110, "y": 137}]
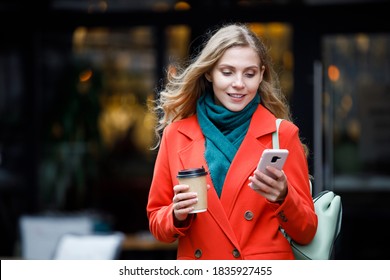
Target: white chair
[
  {"x": 96, "y": 246},
  {"x": 39, "y": 235}
]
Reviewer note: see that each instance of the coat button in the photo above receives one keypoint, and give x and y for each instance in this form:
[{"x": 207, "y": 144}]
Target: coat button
[
  {"x": 236, "y": 253},
  {"x": 282, "y": 216},
  {"x": 198, "y": 253},
  {"x": 248, "y": 215}
]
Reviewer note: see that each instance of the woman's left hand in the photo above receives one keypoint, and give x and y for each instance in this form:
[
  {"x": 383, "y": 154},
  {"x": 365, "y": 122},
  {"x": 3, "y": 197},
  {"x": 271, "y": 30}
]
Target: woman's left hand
[{"x": 274, "y": 189}]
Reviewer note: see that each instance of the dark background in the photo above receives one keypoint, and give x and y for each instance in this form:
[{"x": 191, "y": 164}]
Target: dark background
[{"x": 27, "y": 27}]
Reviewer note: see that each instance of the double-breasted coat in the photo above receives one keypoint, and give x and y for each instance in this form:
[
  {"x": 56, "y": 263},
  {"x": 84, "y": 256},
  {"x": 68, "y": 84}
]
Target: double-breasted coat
[{"x": 240, "y": 224}]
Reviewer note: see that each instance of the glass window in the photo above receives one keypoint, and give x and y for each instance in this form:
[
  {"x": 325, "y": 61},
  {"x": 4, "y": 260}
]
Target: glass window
[
  {"x": 357, "y": 110},
  {"x": 97, "y": 126}
]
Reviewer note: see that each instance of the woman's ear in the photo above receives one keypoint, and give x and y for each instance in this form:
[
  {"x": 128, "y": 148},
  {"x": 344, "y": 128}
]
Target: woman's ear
[{"x": 208, "y": 77}]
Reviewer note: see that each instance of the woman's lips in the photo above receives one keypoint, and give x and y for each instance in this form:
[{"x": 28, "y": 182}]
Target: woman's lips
[{"x": 236, "y": 95}]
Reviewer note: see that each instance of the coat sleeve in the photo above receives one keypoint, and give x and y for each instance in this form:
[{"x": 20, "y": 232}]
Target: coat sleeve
[
  {"x": 296, "y": 214},
  {"x": 159, "y": 207}
]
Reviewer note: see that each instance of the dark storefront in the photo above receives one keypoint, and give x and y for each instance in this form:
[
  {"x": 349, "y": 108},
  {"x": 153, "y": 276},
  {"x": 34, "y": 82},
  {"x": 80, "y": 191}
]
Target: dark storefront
[{"x": 75, "y": 132}]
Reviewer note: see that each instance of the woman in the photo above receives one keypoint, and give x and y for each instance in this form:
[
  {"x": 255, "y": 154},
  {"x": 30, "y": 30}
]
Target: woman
[{"x": 220, "y": 112}]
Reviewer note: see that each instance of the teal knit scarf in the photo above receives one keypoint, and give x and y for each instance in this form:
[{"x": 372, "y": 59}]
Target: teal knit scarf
[{"x": 224, "y": 131}]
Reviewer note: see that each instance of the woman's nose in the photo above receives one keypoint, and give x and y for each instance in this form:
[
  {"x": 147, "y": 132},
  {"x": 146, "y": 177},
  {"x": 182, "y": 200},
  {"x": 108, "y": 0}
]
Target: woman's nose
[{"x": 238, "y": 82}]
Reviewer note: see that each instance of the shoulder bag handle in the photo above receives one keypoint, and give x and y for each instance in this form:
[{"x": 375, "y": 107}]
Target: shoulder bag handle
[{"x": 275, "y": 135}]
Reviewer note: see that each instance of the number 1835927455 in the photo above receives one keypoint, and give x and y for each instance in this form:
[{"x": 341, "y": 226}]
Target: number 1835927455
[{"x": 242, "y": 270}]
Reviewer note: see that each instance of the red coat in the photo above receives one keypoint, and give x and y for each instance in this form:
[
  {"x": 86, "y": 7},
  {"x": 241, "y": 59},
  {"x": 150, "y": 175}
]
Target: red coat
[{"x": 240, "y": 224}]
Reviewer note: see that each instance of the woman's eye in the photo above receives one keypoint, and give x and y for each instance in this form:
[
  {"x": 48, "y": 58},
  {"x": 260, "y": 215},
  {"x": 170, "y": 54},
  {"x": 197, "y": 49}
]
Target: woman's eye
[
  {"x": 226, "y": 73},
  {"x": 250, "y": 75}
]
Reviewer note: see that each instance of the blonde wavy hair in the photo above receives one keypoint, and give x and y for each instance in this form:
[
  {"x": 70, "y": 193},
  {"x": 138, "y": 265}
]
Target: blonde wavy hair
[{"x": 179, "y": 97}]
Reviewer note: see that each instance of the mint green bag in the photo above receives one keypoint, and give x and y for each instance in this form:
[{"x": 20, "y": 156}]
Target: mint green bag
[{"x": 329, "y": 211}]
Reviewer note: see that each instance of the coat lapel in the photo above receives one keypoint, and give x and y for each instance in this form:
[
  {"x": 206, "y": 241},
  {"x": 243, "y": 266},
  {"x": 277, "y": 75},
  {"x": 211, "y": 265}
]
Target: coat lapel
[
  {"x": 192, "y": 155},
  {"x": 247, "y": 157}
]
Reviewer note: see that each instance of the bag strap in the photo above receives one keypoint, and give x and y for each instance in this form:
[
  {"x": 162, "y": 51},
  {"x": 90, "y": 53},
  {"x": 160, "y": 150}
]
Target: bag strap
[
  {"x": 275, "y": 135},
  {"x": 275, "y": 144}
]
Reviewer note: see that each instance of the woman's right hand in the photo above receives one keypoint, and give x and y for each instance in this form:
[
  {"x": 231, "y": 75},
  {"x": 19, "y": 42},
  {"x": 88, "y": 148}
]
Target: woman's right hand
[{"x": 183, "y": 201}]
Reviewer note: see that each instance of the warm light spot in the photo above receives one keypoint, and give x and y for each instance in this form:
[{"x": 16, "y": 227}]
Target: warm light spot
[
  {"x": 160, "y": 6},
  {"x": 277, "y": 29},
  {"x": 346, "y": 103},
  {"x": 103, "y": 6},
  {"x": 100, "y": 6},
  {"x": 354, "y": 129},
  {"x": 363, "y": 42},
  {"x": 85, "y": 75},
  {"x": 333, "y": 73},
  {"x": 258, "y": 28},
  {"x": 182, "y": 6},
  {"x": 79, "y": 36}
]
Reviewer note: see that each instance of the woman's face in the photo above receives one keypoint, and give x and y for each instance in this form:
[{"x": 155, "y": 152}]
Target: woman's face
[{"x": 236, "y": 78}]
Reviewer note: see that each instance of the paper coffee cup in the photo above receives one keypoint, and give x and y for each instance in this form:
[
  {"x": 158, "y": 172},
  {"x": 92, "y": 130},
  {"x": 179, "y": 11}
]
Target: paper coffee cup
[{"x": 196, "y": 179}]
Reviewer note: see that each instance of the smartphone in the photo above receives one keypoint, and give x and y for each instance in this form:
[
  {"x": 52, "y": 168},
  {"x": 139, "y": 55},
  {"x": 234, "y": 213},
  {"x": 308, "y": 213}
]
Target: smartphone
[{"x": 272, "y": 157}]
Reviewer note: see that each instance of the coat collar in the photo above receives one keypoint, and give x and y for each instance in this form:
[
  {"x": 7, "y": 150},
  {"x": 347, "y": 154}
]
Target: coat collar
[
  {"x": 190, "y": 128},
  {"x": 262, "y": 123}
]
